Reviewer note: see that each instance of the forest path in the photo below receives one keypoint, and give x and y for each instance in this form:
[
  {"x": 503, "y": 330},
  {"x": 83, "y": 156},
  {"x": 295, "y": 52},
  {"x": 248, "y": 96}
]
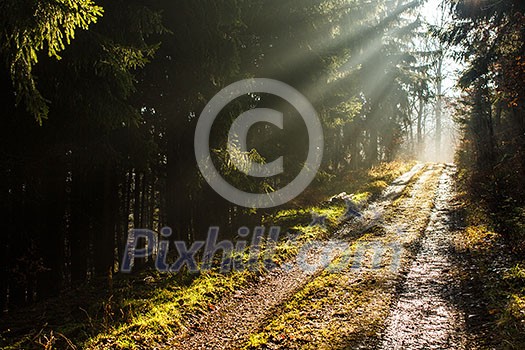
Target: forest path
[
  {"x": 425, "y": 315},
  {"x": 367, "y": 308}
]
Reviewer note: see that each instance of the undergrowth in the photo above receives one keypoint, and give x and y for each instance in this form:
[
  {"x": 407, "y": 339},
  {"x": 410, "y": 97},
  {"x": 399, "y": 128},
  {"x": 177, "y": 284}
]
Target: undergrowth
[{"x": 494, "y": 242}]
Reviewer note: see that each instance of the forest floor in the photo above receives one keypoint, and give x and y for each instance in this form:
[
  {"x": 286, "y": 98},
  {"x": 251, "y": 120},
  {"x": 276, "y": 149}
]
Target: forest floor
[
  {"x": 402, "y": 293},
  {"x": 416, "y": 271}
]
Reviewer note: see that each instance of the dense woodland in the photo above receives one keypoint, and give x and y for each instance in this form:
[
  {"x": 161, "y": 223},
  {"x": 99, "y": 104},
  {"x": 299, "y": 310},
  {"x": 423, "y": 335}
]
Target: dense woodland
[
  {"x": 100, "y": 102},
  {"x": 492, "y": 153}
]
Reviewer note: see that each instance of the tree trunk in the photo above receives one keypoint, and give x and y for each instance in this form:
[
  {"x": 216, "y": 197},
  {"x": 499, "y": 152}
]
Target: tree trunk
[
  {"x": 79, "y": 228},
  {"x": 104, "y": 252},
  {"x": 51, "y": 236},
  {"x": 439, "y": 105},
  {"x": 420, "y": 123}
]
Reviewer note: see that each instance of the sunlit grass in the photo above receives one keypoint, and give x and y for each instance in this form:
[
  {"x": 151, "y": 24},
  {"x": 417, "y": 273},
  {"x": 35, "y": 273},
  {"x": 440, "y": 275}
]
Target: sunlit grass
[{"x": 164, "y": 312}]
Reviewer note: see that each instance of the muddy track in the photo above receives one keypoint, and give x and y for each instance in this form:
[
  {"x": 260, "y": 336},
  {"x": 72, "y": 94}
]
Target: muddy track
[
  {"x": 235, "y": 318},
  {"x": 348, "y": 309},
  {"x": 425, "y": 316}
]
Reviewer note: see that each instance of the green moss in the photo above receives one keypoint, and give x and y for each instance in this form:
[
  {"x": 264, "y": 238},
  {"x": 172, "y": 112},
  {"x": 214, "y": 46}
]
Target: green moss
[{"x": 257, "y": 340}]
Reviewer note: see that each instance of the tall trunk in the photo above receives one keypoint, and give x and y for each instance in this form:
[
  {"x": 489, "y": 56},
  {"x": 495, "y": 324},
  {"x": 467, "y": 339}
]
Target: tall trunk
[
  {"x": 439, "y": 104},
  {"x": 355, "y": 148},
  {"x": 120, "y": 229},
  {"x": 51, "y": 235},
  {"x": 4, "y": 274},
  {"x": 79, "y": 228},
  {"x": 179, "y": 169},
  {"x": 372, "y": 147},
  {"x": 136, "y": 200},
  {"x": 137, "y": 213},
  {"x": 420, "y": 123},
  {"x": 482, "y": 127},
  {"x": 104, "y": 247},
  {"x": 152, "y": 200},
  {"x": 7, "y": 206},
  {"x": 19, "y": 238},
  {"x": 17, "y": 285},
  {"x": 143, "y": 194}
]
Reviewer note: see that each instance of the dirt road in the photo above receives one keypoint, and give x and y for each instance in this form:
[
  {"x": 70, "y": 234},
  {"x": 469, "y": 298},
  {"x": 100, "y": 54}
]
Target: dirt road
[
  {"x": 393, "y": 300},
  {"x": 425, "y": 317}
]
